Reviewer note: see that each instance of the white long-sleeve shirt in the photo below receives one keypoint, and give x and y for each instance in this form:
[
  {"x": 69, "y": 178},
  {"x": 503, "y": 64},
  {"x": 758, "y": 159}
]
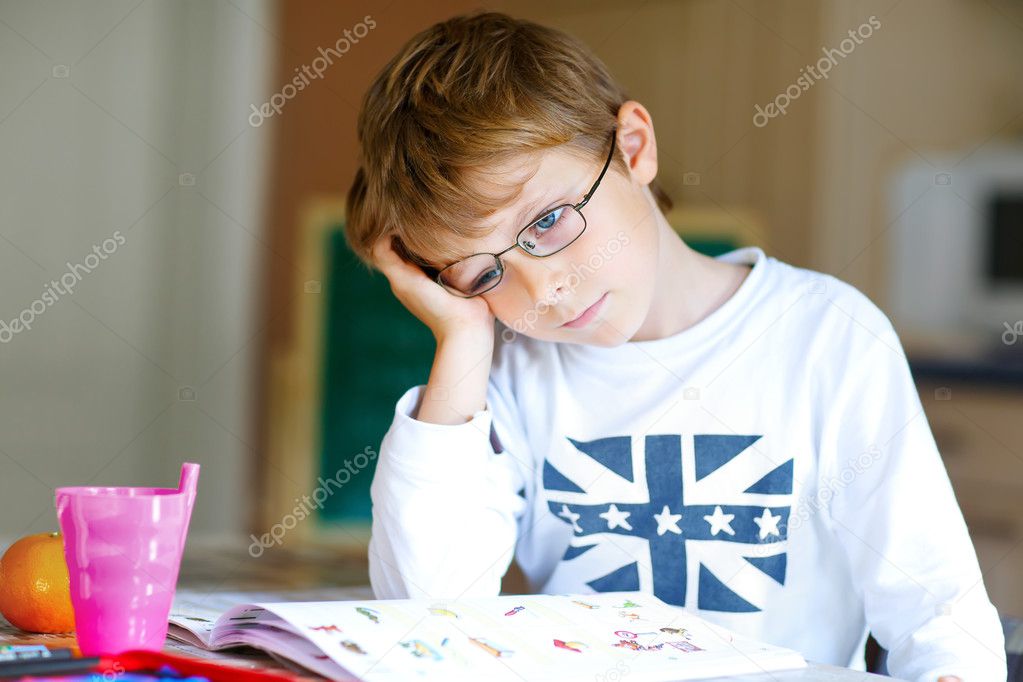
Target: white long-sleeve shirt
[{"x": 770, "y": 468}]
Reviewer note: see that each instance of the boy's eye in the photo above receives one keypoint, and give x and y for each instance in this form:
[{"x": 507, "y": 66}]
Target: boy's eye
[
  {"x": 549, "y": 220},
  {"x": 485, "y": 279}
]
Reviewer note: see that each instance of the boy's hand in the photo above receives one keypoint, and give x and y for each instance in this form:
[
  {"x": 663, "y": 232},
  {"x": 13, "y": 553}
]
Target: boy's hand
[
  {"x": 949, "y": 678},
  {"x": 464, "y": 329},
  {"x": 444, "y": 313}
]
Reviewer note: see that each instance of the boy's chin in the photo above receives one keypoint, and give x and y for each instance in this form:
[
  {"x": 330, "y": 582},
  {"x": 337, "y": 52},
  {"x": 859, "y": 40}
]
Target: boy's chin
[
  {"x": 612, "y": 328},
  {"x": 604, "y": 335},
  {"x": 606, "y": 332}
]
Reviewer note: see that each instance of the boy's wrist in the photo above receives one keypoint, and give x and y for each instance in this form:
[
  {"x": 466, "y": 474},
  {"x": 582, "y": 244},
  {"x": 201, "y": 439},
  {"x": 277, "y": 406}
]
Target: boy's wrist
[
  {"x": 457, "y": 387},
  {"x": 467, "y": 338}
]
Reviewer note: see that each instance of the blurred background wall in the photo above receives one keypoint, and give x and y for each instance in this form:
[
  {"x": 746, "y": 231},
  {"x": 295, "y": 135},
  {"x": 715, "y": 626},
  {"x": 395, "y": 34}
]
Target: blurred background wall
[
  {"x": 129, "y": 119},
  {"x": 231, "y": 327}
]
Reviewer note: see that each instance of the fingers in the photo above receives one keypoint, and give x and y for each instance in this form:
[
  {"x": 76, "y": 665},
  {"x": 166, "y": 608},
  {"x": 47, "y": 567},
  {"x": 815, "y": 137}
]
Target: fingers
[
  {"x": 386, "y": 258},
  {"x": 394, "y": 267},
  {"x": 383, "y": 252}
]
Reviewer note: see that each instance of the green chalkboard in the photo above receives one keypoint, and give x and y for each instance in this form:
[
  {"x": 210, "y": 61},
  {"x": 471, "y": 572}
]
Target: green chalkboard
[
  {"x": 374, "y": 351},
  {"x": 711, "y": 245}
]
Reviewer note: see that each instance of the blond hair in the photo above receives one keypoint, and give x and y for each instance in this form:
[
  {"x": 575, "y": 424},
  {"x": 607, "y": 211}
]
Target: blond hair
[{"x": 465, "y": 95}]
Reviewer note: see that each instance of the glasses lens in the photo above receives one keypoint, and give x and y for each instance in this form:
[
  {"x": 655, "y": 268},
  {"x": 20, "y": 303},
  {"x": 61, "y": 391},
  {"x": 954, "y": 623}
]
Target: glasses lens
[
  {"x": 473, "y": 275},
  {"x": 553, "y": 232}
]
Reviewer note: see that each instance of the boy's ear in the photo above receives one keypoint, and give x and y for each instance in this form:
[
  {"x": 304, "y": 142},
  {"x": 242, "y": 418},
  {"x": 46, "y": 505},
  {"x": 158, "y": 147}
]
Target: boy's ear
[{"x": 637, "y": 142}]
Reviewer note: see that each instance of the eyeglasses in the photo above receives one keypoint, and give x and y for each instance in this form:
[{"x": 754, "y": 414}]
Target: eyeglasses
[{"x": 559, "y": 227}]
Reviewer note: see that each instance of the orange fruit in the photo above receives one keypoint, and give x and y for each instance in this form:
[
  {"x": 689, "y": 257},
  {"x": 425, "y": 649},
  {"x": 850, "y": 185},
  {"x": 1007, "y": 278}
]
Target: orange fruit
[{"x": 35, "y": 591}]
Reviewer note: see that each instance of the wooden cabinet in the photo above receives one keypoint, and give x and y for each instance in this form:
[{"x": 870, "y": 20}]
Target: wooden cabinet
[{"x": 979, "y": 432}]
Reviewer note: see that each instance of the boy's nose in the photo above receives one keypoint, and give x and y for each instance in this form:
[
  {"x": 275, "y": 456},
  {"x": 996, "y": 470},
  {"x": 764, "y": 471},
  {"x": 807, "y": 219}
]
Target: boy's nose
[{"x": 544, "y": 279}]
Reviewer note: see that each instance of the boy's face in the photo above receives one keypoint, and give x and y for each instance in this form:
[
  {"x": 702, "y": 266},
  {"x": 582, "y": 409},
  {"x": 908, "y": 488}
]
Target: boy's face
[{"x": 606, "y": 277}]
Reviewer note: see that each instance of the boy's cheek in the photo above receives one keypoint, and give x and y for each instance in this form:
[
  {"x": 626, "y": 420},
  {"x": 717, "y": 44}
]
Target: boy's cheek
[{"x": 510, "y": 312}]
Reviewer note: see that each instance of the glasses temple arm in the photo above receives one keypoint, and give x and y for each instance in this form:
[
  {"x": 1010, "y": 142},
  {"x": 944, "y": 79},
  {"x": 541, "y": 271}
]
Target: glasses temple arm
[{"x": 607, "y": 164}]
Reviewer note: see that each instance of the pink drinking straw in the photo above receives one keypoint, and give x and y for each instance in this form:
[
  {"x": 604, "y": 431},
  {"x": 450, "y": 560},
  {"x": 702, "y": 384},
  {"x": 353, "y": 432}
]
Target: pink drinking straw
[{"x": 123, "y": 549}]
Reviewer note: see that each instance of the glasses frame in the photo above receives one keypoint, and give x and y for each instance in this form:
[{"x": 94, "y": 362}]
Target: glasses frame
[{"x": 518, "y": 237}]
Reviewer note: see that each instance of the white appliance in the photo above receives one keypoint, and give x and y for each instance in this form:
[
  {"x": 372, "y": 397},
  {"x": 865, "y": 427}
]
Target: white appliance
[{"x": 956, "y": 237}]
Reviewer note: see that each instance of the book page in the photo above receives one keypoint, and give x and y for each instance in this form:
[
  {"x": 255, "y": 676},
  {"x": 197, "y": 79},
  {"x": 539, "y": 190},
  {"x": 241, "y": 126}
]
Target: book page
[
  {"x": 536, "y": 637},
  {"x": 195, "y": 612}
]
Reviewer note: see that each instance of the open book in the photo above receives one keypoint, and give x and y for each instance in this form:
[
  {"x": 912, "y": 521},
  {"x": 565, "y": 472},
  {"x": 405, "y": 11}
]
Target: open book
[{"x": 605, "y": 636}]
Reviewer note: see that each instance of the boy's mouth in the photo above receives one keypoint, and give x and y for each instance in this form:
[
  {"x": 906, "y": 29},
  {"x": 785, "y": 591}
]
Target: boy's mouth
[{"x": 588, "y": 315}]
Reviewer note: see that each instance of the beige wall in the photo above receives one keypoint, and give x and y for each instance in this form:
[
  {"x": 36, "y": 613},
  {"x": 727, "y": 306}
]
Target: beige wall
[
  {"x": 129, "y": 118},
  {"x": 940, "y": 77}
]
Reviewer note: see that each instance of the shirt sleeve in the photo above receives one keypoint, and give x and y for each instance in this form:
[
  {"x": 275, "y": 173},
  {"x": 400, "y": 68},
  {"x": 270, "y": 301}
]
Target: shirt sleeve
[
  {"x": 446, "y": 507},
  {"x": 895, "y": 514}
]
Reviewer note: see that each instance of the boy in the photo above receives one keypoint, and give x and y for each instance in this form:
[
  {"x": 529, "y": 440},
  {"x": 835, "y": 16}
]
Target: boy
[{"x": 735, "y": 435}]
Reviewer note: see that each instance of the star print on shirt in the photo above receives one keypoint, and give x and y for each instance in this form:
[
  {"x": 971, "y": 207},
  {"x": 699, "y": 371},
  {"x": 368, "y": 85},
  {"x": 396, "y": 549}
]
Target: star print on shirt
[
  {"x": 616, "y": 518},
  {"x": 571, "y": 516},
  {"x": 719, "y": 521},
  {"x": 666, "y": 521},
  {"x": 767, "y": 524}
]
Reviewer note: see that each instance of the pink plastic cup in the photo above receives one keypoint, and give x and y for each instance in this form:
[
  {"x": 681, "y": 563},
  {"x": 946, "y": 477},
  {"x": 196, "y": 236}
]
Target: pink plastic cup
[{"x": 123, "y": 548}]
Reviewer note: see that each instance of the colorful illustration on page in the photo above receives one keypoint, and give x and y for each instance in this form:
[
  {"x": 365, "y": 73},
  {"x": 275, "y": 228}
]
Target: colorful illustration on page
[
  {"x": 491, "y": 648},
  {"x": 685, "y": 646},
  {"x": 676, "y": 631},
  {"x": 440, "y": 611},
  {"x": 421, "y": 649},
  {"x": 629, "y": 634},
  {"x": 372, "y": 614},
  {"x": 633, "y": 645},
  {"x": 570, "y": 646}
]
